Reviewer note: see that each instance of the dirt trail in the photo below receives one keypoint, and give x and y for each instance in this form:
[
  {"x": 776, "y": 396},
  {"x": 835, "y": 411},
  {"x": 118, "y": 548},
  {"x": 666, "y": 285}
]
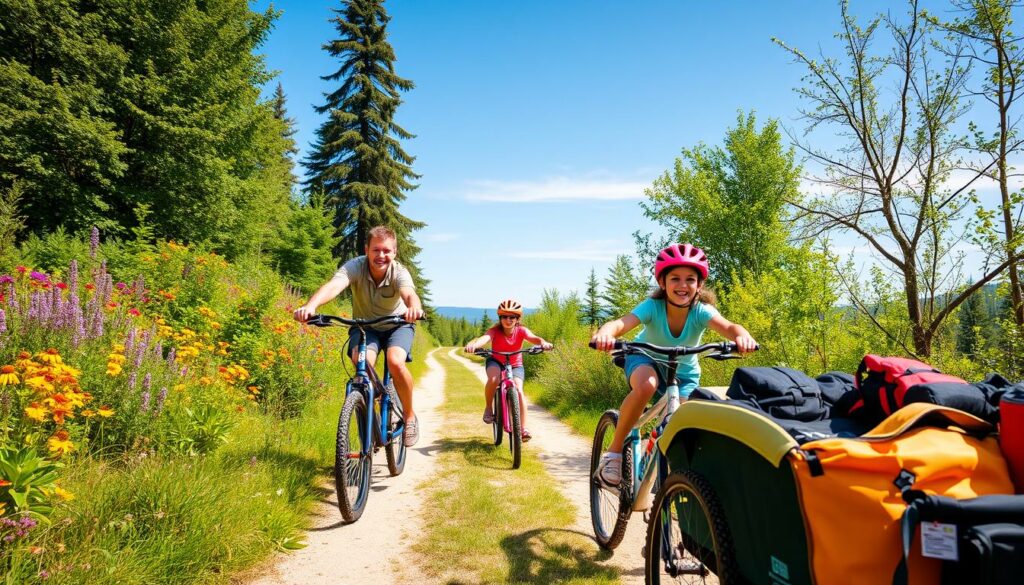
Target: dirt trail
[
  {"x": 374, "y": 549},
  {"x": 566, "y": 457}
]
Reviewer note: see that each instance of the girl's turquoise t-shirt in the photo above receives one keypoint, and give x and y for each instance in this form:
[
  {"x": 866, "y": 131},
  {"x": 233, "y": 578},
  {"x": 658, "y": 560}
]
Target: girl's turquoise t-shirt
[{"x": 652, "y": 314}]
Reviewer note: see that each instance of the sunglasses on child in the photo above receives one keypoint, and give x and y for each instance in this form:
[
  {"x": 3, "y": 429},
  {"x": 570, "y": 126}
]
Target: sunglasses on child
[{"x": 510, "y": 317}]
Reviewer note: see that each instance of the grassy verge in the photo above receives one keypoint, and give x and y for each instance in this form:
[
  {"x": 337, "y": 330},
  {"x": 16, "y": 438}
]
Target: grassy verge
[
  {"x": 487, "y": 523},
  {"x": 186, "y": 520}
]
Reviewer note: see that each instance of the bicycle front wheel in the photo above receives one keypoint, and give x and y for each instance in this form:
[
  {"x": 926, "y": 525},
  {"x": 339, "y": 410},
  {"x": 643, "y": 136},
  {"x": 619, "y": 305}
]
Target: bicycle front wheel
[
  {"x": 610, "y": 507},
  {"x": 353, "y": 457},
  {"x": 394, "y": 450},
  {"x": 515, "y": 433},
  {"x": 688, "y": 536}
]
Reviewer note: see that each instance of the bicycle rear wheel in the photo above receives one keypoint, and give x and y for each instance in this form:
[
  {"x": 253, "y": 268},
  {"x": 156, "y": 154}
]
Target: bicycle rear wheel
[
  {"x": 394, "y": 450},
  {"x": 515, "y": 433},
  {"x": 353, "y": 457},
  {"x": 610, "y": 508},
  {"x": 498, "y": 408},
  {"x": 688, "y": 536}
]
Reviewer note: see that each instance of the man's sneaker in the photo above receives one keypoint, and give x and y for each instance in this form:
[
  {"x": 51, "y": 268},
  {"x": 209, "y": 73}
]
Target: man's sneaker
[
  {"x": 412, "y": 432},
  {"x": 609, "y": 469}
]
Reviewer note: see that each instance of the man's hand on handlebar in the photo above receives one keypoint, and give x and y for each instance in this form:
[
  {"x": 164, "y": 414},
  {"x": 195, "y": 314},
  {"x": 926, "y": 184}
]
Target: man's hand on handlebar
[
  {"x": 303, "y": 313},
  {"x": 413, "y": 314}
]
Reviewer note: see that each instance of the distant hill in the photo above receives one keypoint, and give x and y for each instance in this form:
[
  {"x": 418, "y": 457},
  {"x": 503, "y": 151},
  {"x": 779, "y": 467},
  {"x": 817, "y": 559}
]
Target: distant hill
[{"x": 472, "y": 314}]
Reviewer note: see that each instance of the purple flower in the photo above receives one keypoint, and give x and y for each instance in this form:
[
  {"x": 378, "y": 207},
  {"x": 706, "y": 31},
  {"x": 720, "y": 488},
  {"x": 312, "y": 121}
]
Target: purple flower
[
  {"x": 94, "y": 241},
  {"x": 144, "y": 407},
  {"x": 147, "y": 382},
  {"x": 6, "y": 279},
  {"x": 3, "y": 321},
  {"x": 160, "y": 398},
  {"x": 34, "y": 275},
  {"x": 73, "y": 277}
]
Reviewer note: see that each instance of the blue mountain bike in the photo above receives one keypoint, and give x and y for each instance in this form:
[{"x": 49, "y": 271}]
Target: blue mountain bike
[
  {"x": 643, "y": 469},
  {"x": 371, "y": 418}
]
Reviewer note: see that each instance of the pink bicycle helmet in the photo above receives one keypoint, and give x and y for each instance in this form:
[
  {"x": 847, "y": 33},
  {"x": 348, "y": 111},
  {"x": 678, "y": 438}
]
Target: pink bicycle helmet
[{"x": 681, "y": 255}]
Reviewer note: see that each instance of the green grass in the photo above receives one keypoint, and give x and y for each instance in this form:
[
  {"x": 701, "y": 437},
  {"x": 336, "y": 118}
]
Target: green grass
[
  {"x": 488, "y": 523},
  {"x": 186, "y": 520}
]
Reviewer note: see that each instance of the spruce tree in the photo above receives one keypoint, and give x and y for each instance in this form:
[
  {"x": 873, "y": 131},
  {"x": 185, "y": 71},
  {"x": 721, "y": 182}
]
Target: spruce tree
[
  {"x": 357, "y": 161},
  {"x": 590, "y": 313},
  {"x": 277, "y": 104},
  {"x": 972, "y": 319},
  {"x": 623, "y": 288}
]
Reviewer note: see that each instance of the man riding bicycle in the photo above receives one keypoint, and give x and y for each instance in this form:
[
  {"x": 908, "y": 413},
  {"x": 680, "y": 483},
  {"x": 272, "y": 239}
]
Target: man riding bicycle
[{"x": 381, "y": 286}]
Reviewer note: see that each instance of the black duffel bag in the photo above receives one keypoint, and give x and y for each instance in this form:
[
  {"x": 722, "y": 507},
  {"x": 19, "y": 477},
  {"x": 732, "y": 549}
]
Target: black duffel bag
[{"x": 782, "y": 393}]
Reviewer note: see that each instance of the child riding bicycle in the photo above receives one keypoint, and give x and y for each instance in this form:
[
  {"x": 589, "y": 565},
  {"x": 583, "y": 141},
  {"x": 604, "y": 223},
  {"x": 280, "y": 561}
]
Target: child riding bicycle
[
  {"x": 506, "y": 335},
  {"x": 381, "y": 286},
  {"x": 677, "y": 313}
]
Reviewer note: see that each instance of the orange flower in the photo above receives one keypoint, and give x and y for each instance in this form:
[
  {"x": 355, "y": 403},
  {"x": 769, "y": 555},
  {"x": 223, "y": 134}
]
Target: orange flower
[
  {"x": 4, "y": 483},
  {"x": 105, "y": 411}
]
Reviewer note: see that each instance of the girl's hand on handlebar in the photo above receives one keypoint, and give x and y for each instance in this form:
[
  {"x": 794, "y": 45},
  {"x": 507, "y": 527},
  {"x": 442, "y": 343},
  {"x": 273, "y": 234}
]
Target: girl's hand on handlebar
[
  {"x": 745, "y": 343},
  {"x": 470, "y": 348},
  {"x": 603, "y": 342},
  {"x": 546, "y": 345}
]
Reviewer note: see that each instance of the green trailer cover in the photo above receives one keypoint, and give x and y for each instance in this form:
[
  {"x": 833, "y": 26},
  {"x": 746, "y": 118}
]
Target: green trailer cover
[{"x": 759, "y": 497}]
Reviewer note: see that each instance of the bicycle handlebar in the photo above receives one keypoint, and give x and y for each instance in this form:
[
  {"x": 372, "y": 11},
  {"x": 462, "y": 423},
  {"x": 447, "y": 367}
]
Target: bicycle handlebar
[
  {"x": 322, "y": 320},
  {"x": 724, "y": 349},
  {"x": 489, "y": 352}
]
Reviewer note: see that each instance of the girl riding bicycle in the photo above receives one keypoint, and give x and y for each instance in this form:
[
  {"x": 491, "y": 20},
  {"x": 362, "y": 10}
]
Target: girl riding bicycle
[
  {"x": 677, "y": 313},
  {"x": 506, "y": 335}
]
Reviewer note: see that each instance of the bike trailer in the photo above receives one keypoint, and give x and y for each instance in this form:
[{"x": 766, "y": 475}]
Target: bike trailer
[{"x": 828, "y": 508}]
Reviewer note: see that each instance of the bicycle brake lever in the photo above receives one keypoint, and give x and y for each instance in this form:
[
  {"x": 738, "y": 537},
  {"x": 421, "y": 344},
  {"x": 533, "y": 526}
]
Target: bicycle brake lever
[{"x": 719, "y": 357}]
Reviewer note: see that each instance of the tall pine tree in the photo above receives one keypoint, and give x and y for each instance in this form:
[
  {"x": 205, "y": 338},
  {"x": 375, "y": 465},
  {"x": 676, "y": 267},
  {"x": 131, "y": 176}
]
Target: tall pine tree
[
  {"x": 590, "y": 312},
  {"x": 357, "y": 161},
  {"x": 277, "y": 103}
]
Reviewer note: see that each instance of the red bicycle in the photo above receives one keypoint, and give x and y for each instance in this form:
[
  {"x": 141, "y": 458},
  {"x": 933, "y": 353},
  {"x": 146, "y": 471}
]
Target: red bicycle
[{"x": 508, "y": 403}]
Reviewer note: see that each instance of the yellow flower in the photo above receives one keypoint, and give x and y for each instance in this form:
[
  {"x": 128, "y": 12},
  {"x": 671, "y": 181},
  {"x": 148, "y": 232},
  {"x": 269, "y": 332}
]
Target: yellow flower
[
  {"x": 113, "y": 368},
  {"x": 36, "y": 412},
  {"x": 50, "y": 356},
  {"x": 39, "y": 384},
  {"x": 7, "y": 376},
  {"x": 116, "y": 358},
  {"x": 59, "y": 444},
  {"x": 63, "y": 493},
  {"x": 205, "y": 381},
  {"x": 105, "y": 411},
  {"x": 88, "y": 412}
]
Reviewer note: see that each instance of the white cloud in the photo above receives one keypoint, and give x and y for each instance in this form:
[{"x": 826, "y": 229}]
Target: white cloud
[
  {"x": 555, "y": 189},
  {"x": 590, "y": 251},
  {"x": 443, "y": 237}
]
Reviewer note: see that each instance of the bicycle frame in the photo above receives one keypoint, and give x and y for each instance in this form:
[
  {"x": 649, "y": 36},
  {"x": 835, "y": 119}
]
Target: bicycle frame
[
  {"x": 366, "y": 380},
  {"x": 645, "y": 460}
]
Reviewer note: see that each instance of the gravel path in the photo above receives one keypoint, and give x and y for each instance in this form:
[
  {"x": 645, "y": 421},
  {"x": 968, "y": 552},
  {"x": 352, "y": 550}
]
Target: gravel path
[
  {"x": 373, "y": 549},
  {"x": 566, "y": 457}
]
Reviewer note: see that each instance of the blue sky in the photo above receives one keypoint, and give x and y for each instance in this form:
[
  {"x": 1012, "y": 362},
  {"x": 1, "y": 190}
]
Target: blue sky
[{"x": 539, "y": 124}]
